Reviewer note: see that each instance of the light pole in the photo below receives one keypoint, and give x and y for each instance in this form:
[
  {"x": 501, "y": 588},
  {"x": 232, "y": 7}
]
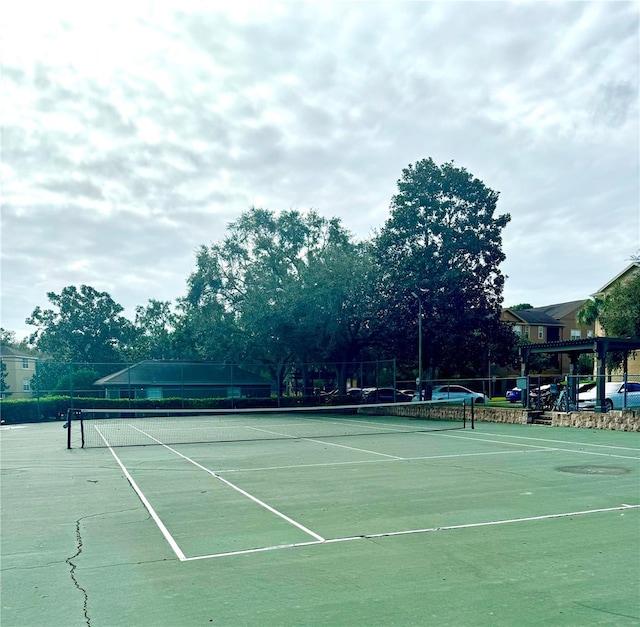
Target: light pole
[{"x": 419, "y": 386}]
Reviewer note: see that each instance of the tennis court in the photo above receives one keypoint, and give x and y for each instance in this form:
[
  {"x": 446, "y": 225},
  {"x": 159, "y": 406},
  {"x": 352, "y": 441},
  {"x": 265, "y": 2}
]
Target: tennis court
[{"x": 377, "y": 522}]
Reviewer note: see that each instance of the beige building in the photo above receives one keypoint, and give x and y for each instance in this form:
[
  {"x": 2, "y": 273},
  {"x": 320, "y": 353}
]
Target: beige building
[
  {"x": 20, "y": 369},
  {"x": 551, "y": 323}
]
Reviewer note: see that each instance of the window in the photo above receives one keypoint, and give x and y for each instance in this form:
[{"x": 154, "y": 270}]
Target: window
[
  {"x": 589, "y": 333},
  {"x": 517, "y": 329},
  {"x": 25, "y": 363},
  {"x": 527, "y": 331},
  {"x": 26, "y": 385},
  {"x": 154, "y": 394},
  {"x": 575, "y": 334},
  {"x": 541, "y": 333}
]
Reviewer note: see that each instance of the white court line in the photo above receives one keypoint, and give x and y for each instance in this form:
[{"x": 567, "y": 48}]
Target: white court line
[
  {"x": 392, "y": 534},
  {"x": 256, "y": 500},
  {"x": 471, "y": 436},
  {"x": 536, "y": 446},
  {"x": 524, "y": 437},
  {"x": 165, "y": 532},
  {"x": 379, "y": 461},
  {"x": 317, "y": 441},
  {"x": 319, "y": 539}
]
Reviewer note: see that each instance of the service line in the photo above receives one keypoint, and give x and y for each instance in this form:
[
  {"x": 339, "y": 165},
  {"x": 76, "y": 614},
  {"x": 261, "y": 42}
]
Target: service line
[{"x": 228, "y": 483}]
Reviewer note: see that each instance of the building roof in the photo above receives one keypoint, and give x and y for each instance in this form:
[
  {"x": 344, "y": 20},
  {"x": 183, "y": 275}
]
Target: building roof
[
  {"x": 178, "y": 373},
  {"x": 560, "y": 310},
  {"x": 598, "y": 345},
  {"x": 532, "y": 316},
  {"x": 549, "y": 315},
  {"x": 631, "y": 267},
  {"x": 7, "y": 351}
]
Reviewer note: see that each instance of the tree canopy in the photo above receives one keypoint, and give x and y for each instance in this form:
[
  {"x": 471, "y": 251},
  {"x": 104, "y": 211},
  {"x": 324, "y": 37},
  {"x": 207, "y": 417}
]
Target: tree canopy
[
  {"x": 521, "y": 306},
  {"x": 84, "y": 326},
  {"x": 155, "y": 324},
  {"x": 295, "y": 287},
  {"x": 280, "y": 288},
  {"x": 619, "y": 310},
  {"x": 440, "y": 250}
]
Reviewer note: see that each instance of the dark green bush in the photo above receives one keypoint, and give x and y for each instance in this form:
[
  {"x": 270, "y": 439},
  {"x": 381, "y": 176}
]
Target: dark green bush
[
  {"x": 33, "y": 410},
  {"x": 55, "y": 407}
]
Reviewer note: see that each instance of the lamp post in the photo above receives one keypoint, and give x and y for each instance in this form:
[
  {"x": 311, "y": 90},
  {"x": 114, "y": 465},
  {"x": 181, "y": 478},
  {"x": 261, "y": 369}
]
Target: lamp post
[
  {"x": 419, "y": 386},
  {"x": 420, "y": 348}
]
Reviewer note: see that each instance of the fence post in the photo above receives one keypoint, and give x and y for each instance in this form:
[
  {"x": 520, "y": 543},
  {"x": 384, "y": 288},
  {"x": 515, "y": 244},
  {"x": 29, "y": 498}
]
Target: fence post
[
  {"x": 71, "y": 383},
  {"x": 68, "y": 428}
]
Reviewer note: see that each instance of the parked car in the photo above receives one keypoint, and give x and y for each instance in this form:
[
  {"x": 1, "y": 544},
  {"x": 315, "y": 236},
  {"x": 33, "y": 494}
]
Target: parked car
[
  {"x": 352, "y": 393},
  {"x": 384, "y": 395},
  {"x": 614, "y": 393},
  {"x": 586, "y": 387},
  {"x": 514, "y": 395},
  {"x": 457, "y": 393}
]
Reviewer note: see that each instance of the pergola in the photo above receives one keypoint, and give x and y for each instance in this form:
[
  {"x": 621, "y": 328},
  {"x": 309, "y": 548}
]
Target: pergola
[{"x": 601, "y": 346}]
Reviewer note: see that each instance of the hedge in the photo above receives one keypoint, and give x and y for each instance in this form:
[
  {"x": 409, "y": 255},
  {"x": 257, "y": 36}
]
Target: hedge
[{"x": 50, "y": 408}]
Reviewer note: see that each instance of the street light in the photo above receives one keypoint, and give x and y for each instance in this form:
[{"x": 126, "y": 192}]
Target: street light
[{"x": 419, "y": 345}]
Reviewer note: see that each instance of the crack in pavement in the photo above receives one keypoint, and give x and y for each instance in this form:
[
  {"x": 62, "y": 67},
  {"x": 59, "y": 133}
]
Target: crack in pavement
[{"x": 72, "y": 571}]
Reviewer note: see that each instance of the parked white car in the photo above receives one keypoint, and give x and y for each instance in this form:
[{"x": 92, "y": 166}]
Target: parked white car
[
  {"x": 614, "y": 396},
  {"x": 457, "y": 393}
]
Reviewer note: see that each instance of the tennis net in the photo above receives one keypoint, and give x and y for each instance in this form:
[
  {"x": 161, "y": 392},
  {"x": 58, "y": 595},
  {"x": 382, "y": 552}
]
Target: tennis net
[{"x": 139, "y": 427}]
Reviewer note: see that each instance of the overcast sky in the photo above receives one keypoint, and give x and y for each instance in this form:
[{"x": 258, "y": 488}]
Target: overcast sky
[{"x": 132, "y": 133}]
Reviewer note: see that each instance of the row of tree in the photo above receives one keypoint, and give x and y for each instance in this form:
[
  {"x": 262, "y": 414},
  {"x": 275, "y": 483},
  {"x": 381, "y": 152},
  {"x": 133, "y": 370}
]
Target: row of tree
[{"x": 294, "y": 288}]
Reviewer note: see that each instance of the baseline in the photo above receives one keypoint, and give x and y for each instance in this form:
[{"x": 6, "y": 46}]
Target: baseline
[{"x": 390, "y": 534}]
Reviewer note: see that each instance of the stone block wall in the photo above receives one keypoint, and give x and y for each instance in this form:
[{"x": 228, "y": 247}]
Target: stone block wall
[
  {"x": 449, "y": 412},
  {"x": 618, "y": 420},
  {"x": 627, "y": 420}
]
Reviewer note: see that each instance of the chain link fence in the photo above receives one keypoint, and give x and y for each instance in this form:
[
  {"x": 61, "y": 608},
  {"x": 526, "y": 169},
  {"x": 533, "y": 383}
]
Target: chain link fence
[{"x": 156, "y": 380}]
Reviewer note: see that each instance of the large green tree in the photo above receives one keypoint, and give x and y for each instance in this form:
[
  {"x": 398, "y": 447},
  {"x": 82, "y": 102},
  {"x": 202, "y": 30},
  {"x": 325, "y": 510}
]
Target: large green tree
[
  {"x": 280, "y": 288},
  {"x": 440, "y": 252},
  {"x": 83, "y": 325},
  {"x": 619, "y": 310}
]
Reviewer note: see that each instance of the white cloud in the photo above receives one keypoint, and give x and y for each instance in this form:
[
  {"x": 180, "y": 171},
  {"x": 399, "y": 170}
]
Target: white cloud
[{"x": 134, "y": 132}]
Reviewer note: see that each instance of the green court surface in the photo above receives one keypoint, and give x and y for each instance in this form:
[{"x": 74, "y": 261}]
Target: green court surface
[{"x": 500, "y": 525}]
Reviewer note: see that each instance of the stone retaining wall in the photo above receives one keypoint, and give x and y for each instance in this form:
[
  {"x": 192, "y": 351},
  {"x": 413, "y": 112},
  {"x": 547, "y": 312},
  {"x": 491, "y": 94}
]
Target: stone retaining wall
[
  {"x": 449, "y": 412},
  {"x": 618, "y": 420},
  {"x": 627, "y": 420}
]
